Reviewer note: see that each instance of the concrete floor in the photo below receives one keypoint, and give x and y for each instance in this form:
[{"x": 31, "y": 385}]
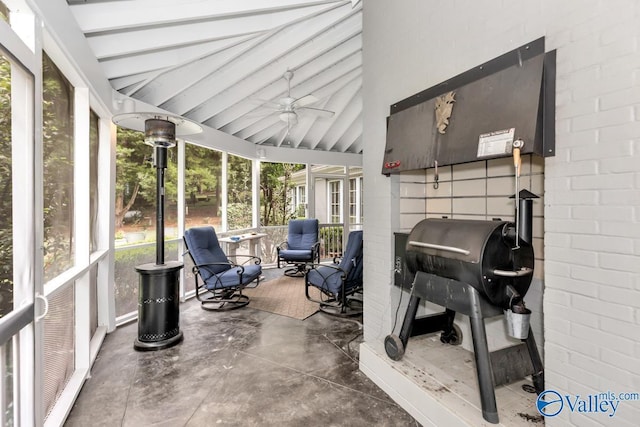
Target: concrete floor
[{"x": 241, "y": 368}]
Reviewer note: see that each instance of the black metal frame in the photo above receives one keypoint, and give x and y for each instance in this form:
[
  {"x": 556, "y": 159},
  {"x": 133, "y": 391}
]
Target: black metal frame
[
  {"x": 493, "y": 368},
  {"x": 225, "y": 297},
  {"x": 344, "y": 304},
  {"x": 300, "y": 267}
]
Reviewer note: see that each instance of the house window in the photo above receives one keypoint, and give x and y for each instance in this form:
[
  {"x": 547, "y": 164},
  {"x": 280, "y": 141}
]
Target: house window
[
  {"x": 93, "y": 179},
  {"x": 301, "y": 200},
  {"x": 353, "y": 200},
  {"x": 335, "y": 202}
]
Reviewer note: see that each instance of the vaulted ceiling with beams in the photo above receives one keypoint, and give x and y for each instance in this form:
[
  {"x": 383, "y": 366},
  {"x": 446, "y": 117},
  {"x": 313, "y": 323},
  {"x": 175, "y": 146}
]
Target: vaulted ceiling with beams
[{"x": 224, "y": 64}]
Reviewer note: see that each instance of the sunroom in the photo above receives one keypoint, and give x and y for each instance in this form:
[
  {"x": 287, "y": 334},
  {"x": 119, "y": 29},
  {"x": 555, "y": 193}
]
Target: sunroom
[{"x": 297, "y": 96}]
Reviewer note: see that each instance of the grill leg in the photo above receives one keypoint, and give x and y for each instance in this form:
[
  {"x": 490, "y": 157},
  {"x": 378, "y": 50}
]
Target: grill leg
[
  {"x": 395, "y": 345},
  {"x": 449, "y": 334},
  {"x": 409, "y": 317},
  {"x": 483, "y": 366},
  {"x": 536, "y": 361}
]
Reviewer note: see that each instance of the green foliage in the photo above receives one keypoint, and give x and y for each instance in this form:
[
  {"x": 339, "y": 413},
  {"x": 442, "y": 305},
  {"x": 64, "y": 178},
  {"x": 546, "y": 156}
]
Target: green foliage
[
  {"x": 57, "y": 156},
  {"x": 203, "y": 170},
  {"x": 238, "y": 216},
  {"x": 238, "y": 192},
  {"x": 275, "y": 200},
  {"x": 133, "y": 168},
  {"x": 6, "y": 212}
]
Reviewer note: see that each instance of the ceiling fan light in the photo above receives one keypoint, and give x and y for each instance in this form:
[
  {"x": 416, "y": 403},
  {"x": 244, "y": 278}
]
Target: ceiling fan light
[{"x": 289, "y": 117}]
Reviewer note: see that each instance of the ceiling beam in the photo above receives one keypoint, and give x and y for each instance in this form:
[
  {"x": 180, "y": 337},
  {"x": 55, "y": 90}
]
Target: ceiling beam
[
  {"x": 274, "y": 48},
  {"x": 337, "y": 103},
  {"x": 237, "y": 99},
  {"x": 127, "y": 15},
  {"x": 117, "y": 45},
  {"x": 332, "y": 80},
  {"x": 344, "y": 123}
]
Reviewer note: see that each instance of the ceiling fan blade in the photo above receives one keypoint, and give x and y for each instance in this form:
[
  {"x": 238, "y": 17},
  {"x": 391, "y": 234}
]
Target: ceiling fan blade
[
  {"x": 319, "y": 111},
  {"x": 304, "y": 101}
]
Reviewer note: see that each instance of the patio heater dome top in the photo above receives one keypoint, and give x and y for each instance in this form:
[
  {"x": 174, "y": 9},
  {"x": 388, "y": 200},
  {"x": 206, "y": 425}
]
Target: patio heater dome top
[{"x": 160, "y": 133}]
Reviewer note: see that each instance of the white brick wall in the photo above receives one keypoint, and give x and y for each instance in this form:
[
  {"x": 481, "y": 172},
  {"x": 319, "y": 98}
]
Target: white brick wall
[{"x": 592, "y": 185}]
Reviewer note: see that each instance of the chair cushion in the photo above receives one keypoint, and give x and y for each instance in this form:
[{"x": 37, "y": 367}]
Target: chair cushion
[
  {"x": 204, "y": 248},
  {"x": 296, "y": 255},
  {"x": 302, "y": 233},
  {"x": 326, "y": 278},
  {"x": 352, "y": 260},
  {"x": 231, "y": 278}
]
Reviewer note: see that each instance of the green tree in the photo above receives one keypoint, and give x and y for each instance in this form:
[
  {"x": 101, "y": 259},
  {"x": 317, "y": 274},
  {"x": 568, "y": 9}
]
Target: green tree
[
  {"x": 203, "y": 169},
  {"x": 6, "y": 211},
  {"x": 238, "y": 192},
  {"x": 275, "y": 199},
  {"x": 133, "y": 167},
  {"x": 57, "y": 157}
]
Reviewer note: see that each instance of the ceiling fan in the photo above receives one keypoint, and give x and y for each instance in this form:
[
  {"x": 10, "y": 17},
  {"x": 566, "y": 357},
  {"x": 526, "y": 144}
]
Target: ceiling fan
[{"x": 288, "y": 107}]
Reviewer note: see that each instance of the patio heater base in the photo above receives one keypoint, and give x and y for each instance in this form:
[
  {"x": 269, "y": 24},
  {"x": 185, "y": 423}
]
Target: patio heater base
[{"x": 158, "y": 306}]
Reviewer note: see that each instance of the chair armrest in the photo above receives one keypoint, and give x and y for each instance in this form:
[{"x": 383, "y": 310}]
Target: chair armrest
[
  {"x": 315, "y": 251},
  {"x": 334, "y": 267},
  {"x": 338, "y": 270},
  {"x": 256, "y": 260},
  {"x": 197, "y": 267},
  {"x": 283, "y": 245}
]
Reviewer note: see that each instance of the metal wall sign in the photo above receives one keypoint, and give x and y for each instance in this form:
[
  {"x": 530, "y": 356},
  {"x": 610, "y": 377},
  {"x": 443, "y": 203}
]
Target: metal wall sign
[{"x": 471, "y": 116}]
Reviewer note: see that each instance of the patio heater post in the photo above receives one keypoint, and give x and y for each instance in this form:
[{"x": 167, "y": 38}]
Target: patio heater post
[
  {"x": 160, "y": 163},
  {"x": 159, "y": 284}
]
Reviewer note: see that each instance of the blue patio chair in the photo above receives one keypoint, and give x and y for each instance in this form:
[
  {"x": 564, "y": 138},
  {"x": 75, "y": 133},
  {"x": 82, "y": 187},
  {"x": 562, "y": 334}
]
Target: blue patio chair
[
  {"x": 222, "y": 278},
  {"x": 301, "y": 247},
  {"x": 339, "y": 282}
]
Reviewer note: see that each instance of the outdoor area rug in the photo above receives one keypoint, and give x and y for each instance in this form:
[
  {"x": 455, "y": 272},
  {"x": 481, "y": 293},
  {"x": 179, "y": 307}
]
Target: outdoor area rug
[{"x": 282, "y": 295}]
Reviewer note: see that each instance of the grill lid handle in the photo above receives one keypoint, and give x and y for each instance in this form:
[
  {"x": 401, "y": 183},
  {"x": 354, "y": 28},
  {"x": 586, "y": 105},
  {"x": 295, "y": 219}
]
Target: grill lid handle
[
  {"x": 524, "y": 271},
  {"x": 439, "y": 247}
]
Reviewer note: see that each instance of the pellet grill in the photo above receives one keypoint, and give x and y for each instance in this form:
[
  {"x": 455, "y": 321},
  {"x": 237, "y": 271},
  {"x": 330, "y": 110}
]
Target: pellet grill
[{"x": 480, "y": 269}]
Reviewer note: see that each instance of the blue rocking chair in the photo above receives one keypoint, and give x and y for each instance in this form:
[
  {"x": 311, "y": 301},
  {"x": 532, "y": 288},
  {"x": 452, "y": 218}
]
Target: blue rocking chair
[
  {"x": 219, "y": 280},
  {"x": 338, "y": 283}
]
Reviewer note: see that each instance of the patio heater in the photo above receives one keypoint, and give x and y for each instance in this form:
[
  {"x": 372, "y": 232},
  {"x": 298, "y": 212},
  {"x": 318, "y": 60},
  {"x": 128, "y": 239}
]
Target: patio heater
[{"x": 159, "y": 282}]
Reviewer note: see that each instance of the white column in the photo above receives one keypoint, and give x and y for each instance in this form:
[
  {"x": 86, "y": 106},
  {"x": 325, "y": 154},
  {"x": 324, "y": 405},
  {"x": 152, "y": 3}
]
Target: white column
[
  {"x": 26, "y": 170},
  {"x": 81, "y": 225},
  {"x": 225, "y": 163},
  {"x": 310, "y": 210},
  {"x": 181, "y": 145},
  {"x": 106, "y": 223},
  {"x": 255, "y": 193}
]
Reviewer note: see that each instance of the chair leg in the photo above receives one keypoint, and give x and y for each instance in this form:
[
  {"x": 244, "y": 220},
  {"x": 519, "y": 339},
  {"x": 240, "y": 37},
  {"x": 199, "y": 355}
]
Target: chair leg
[
  {"x": 348, "y": 306},
  {"x": 223, "y": 300},
  {"x": 297, "y": 271}
]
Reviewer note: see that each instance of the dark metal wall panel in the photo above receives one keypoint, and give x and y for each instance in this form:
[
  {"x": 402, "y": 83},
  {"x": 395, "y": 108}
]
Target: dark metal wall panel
[
  {"x": 409, "y": 135},
  {"x": 511, "y": 96}
]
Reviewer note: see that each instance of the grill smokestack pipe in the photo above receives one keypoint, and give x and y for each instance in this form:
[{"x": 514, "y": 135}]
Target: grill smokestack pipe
[{"x": 525, "y": 215}]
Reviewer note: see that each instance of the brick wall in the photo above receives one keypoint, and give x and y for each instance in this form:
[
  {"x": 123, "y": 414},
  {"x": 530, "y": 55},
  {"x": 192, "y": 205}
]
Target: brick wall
[{"x": 592, "y": 185}]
